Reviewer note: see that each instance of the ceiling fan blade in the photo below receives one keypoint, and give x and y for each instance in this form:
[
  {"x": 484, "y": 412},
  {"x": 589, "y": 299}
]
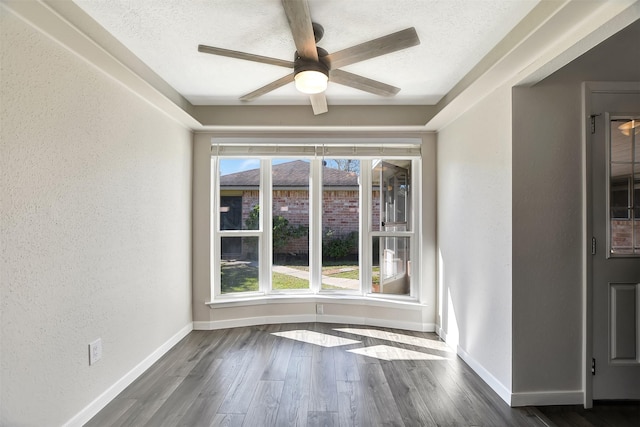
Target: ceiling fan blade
[
  {"x": 299, "y": 18},
  {"x": 380, "y": 46},
  {"x": 319, "y": 103},
  {"x": 243, "y": 55},
  {"x": 267, "y": 88},
  {"x": 362, "y": 83}
]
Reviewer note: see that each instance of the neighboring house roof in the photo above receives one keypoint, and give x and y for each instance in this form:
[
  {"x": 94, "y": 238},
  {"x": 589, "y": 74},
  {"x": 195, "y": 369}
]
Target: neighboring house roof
[{"x": 290, "y": 174}]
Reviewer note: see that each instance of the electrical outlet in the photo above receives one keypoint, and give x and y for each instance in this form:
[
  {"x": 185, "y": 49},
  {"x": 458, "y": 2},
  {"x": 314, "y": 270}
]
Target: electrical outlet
[
  {"x": 319, "y": 309},
  {"x": 95, "y": 351}
]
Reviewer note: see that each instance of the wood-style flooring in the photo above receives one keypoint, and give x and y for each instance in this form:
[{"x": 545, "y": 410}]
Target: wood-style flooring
[
  {"x": 603, "y": 414},
  {"x": 311, "y": 374}
]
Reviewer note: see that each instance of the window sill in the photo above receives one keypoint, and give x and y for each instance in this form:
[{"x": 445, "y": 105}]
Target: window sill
[{"x": 224, "y": 302}]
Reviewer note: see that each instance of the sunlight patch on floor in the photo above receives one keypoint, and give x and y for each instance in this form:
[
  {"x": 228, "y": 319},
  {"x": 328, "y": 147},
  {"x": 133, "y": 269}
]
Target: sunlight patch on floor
[
  {"x": 399, "y": 338},
  {"x": 316, "y": 338},
  {"x": 389, "y": 353}
]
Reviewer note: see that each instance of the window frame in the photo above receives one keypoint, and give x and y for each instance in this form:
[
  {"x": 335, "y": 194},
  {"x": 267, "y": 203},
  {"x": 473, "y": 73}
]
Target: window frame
[
  {"x": 632, "y": 186},
  {"x": 269, "y": 152}
]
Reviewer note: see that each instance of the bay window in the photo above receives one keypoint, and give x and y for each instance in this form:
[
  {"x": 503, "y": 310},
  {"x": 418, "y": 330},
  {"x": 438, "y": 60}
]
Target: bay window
[{"x": 315, "y": 219}]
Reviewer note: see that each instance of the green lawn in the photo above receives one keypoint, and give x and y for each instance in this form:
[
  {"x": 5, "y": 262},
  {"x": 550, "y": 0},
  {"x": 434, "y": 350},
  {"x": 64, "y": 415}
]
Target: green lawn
[
  {"x": 244, "y": 277},
  {"x": 238, "y": 278},
  {"x": 282, "y": 281}
]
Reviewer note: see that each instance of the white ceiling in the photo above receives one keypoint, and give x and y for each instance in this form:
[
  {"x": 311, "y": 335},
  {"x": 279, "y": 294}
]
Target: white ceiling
[{"x": 455, "y": 35}]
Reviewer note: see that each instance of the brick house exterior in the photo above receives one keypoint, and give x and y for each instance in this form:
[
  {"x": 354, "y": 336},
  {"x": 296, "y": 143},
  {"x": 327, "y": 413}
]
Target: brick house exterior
[{"x": 290, "y": 199}]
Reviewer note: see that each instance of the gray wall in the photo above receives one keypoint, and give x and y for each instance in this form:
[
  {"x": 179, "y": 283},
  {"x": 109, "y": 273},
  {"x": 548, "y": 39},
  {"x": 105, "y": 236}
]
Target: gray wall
[
  {"x": 474, "y": 238},
  {"x": 416, "y": 316},
  {"x": 95, "y": 232},
  {"x": 547, "y": 216}
]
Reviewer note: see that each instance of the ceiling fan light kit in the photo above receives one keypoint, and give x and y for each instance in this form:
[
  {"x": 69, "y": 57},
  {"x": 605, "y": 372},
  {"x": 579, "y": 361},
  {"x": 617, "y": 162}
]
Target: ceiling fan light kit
[
  {"x": 311, "y": 82},
  {"x": 311, "y": 76},
  {"x": 313, "y": 67}
]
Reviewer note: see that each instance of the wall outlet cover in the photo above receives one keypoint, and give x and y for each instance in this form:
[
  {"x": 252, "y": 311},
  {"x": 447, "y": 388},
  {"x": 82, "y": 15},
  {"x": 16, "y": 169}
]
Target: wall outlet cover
[{"x": 95, "y": 351}]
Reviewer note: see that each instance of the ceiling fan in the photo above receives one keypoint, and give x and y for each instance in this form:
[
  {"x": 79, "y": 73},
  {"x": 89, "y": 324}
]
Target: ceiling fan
[{"x": 313, "y": 66}]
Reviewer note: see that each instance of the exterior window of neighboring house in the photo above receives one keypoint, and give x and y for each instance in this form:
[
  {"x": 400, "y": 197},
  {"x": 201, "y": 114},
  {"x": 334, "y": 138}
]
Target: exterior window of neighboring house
[{"x": 333, "y": 225}]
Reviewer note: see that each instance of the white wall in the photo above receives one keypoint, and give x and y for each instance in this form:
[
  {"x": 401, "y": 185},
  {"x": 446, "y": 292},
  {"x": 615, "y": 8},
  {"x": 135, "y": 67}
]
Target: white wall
[
  {"x": 95, "y": 231},
  {"x": 474, "y": 237},
  {"x": 547, "y": 220}
]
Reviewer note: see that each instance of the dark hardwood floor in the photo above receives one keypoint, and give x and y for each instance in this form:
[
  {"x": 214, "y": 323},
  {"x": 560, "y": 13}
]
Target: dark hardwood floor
[
  {"x": 312, "y": 374},
  {"x": 603, "y": 414}
]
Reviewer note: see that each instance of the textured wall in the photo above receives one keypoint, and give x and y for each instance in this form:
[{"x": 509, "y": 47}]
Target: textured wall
[
  {"x": 474, "y": 233},
  {"x": 547, "y": 212},
  {"x": 95, "y": 231}
]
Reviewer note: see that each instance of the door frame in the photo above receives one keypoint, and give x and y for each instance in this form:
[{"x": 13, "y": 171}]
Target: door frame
[{"x": 588, "y": 89}]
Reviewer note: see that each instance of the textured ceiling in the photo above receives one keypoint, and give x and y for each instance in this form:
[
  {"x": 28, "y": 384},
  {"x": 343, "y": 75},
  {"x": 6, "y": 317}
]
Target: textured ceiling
[{"x": 455, "y": 35}]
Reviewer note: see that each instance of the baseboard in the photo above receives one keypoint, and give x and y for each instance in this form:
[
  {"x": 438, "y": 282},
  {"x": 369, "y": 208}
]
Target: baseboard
[
  {"x": 487, "y": 377},
  {"x": 252, "y": 321},
  {"x": 546, "y": 398},
  {"x": 101, "y": 401},
  {"x": 305, "y": 318},
  {"x": 538, "y": 398}
]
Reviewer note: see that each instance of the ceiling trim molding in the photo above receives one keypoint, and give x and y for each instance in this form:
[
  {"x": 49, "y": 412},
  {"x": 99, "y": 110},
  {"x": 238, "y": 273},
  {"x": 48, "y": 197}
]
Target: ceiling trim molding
[
  {"x": 314, "y": 132},
  {"x": 552, "y": 35},
  {"x": 299, "y": 115},
  {"x": 59, "y": 28}
]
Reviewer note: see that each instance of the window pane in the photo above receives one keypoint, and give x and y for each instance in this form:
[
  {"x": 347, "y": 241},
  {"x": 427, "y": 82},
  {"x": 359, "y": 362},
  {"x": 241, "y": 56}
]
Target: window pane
[
  {"x": 239, "y": 194},
  {"x": 391, "y": 196},
  {"x": 619, "y": 199},
  {"x": 340, "y": 224},
  {"x": 623, "y": 189},
  {"x": 290, "y": 224},
  {"x": 391, "y": 265},
  {"x": 239, "y": 264}
]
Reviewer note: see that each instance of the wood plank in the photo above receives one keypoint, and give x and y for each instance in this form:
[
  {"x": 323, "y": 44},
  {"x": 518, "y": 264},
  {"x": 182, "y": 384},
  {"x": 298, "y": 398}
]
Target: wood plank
[
  {"x": 351, "y": 408},
  {"x": 111, "y": 413},
  {"x": 258, "y": 346},
  {"x": 412, "y": 401},
  {"x": 227, "y": 420},
  {"x": 203, "y": 412},
  {"x": 139, "y": 414},
  {"x": 346, "y": 363},
  {"x": 278, "y": 364},
  {"x": 472, "y": 405},
  {"x": 263, "y": 409},
  {"x": 323, "y": 394},
  {"x": 378, "y": 397},
  {"x": 179, "y": 402},
  {"x": 294, "y": 402},
  {"x": 323, "y": 419}
]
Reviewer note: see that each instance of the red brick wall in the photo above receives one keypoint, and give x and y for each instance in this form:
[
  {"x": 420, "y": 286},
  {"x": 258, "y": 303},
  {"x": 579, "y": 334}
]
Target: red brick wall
[
  {"x": 340, "y": 212},
  {"x": 621, "y": 235}
]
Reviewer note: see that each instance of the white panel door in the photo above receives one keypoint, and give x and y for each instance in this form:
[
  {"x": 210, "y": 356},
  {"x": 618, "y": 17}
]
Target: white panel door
[{"x": 615, "y": 210}]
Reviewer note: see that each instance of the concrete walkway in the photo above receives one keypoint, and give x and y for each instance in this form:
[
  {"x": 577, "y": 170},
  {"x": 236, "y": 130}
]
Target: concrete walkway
[{"x": 338, "y": 282}]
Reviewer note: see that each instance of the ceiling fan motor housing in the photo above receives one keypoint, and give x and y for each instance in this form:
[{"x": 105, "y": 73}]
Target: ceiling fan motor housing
[{"x": 302, "y": 64}]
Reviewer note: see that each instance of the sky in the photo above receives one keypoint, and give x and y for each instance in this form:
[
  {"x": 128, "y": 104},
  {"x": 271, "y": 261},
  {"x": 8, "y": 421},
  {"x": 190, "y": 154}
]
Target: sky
[{"x": 229, "y": 166}]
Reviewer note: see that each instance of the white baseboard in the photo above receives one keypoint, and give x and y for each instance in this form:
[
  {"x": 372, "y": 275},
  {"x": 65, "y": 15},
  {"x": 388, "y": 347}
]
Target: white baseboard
[
  {"x": 252, "y": 321},
  {"x": 305, "y": 318},
  {"x": 545, "y": 398},
  {"x": 101, "y": 401},
  {"x": 487, "y": 377},
  {"x": 537, "y": 398}
]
